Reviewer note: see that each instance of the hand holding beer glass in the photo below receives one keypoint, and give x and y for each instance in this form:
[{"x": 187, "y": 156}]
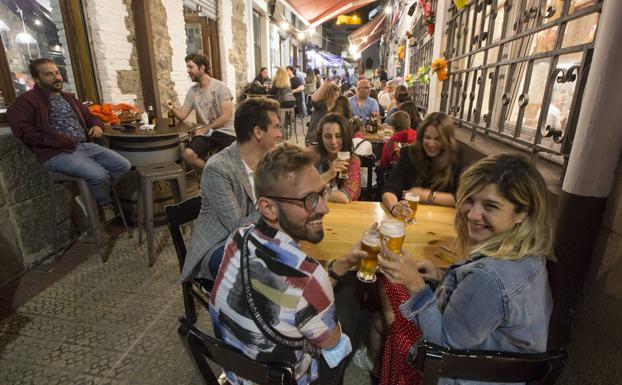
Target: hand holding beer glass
[
  {"x": 344, "y": 156},
  {"x": 392, "y": 233},
  {"x": 371, "y": 245},
  {"x": 413, "y": 203}
]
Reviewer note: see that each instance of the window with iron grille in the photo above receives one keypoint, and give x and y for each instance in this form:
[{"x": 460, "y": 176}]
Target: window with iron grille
[
  {"x": 421, "y": 55},
  {"x": 517, "y": 69}
]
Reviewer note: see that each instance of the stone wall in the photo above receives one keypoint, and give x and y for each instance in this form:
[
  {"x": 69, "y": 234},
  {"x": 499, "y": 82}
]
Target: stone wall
[
  {"x": 163, "y": 51},
  {"x": 27, "y": 226},
  {"x": 177, "y": 33}
]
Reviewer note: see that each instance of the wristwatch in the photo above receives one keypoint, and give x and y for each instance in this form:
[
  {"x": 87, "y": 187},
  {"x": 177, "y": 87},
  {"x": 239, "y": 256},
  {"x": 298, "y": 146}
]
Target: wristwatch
[{"x": 332, "y": 274}]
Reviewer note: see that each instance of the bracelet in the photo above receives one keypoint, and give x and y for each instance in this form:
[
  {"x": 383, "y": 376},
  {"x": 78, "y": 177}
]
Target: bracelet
[
  {"x": 431, "y": 196},
  {"x": 332, "y": 274}
]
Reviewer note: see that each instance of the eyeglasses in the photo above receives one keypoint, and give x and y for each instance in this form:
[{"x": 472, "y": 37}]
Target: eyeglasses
[{"x": 310, "y": 200}]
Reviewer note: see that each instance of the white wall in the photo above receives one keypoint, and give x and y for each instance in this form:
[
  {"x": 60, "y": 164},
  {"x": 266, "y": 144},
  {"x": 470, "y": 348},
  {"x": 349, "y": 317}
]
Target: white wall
[
  {"x": 111, "y": 48},
  {"x": 225, "y": 38}
]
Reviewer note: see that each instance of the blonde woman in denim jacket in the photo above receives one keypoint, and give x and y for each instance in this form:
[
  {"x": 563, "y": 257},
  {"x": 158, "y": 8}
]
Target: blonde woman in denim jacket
[{"x": 498, "y": 297}]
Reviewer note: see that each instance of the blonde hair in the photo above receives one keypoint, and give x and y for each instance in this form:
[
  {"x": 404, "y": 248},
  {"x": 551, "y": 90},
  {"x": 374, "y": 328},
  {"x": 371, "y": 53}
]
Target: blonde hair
[
  {"x": 281, "y": 79},
  {"x": 522, "y": 185}
]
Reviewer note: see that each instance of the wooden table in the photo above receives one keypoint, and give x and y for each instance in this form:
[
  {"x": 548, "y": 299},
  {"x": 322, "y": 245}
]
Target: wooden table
[
  {"x": 375, "y": 137},
  {"x": 345, "y": 223},
  {"x": 161, "y": 144}
]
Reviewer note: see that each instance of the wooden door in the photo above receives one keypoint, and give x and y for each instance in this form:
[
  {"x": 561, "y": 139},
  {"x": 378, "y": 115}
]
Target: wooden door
[{"x": 205, "y": 41}]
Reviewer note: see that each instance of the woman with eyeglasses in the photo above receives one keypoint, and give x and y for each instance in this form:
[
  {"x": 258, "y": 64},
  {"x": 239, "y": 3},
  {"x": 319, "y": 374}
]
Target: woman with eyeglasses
[
  {"x": 498, "y": 297},
  {"x": 334, "y": 137}
]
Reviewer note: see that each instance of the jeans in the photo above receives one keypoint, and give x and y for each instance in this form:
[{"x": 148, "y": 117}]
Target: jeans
[{"x": 99, "y": 166}]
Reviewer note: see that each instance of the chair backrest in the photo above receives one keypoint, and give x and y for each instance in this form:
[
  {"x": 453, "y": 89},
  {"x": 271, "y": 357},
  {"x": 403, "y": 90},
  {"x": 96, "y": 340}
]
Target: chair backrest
[
  {"x": 368, "y": 161},
  {"x": 178, "y": 215},
  {"x": 436, "y": 362},
  {"x": 203, "y": 348}
]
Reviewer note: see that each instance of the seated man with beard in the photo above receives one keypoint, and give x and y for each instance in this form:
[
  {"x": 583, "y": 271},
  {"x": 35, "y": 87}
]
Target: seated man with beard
[{"x": 265, "y": 276}]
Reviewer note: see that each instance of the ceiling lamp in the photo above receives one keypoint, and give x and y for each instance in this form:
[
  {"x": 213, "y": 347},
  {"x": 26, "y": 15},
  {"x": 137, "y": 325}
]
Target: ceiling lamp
[
  {"x": 387, "y": 9},
  {"x": 301, "y": 35},
  {"x": 284, "y": 26}
]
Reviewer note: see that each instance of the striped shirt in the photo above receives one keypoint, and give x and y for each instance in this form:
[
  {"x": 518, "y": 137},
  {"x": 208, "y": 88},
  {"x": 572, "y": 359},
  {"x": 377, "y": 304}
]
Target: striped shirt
[{"x": 292, "y": 292}]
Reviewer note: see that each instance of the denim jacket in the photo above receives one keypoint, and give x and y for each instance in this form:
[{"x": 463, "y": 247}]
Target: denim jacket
[{"x": 486, "y": 303}]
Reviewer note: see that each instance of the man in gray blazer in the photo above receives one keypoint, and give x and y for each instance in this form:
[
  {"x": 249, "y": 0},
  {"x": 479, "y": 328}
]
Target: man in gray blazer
[{"x": 227, "y": 191}]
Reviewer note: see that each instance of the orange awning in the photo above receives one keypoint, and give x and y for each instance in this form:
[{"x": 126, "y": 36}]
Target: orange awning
[
  {"x": 316, "y": 12},
  {"x": 368, "y": 34}
]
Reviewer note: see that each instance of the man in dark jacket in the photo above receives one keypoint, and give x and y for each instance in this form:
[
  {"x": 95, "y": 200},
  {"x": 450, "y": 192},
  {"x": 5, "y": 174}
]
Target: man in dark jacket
[{"x": 59, "y": 129}]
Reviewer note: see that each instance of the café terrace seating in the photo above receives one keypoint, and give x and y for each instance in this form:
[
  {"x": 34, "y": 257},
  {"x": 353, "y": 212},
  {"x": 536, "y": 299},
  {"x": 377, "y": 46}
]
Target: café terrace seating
[
  {"x": 435, "y": 362},
  {"x": 178, "y": 215},
  {"x": 203, "y": 349}
]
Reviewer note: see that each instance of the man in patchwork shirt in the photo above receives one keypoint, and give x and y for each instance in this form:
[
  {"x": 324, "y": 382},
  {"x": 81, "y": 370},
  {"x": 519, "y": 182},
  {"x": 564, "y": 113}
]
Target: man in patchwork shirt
[
  {"x": 59, "y": 130},
  {"x": 291, "y": 291}
]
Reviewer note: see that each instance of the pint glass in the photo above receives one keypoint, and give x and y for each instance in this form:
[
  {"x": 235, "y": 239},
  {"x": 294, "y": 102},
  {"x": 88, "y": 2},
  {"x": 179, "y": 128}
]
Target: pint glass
[
  {"x": 370, "y": 244},
  {"x": 343, "y": 155},
  {"x": 413, "y": 203},
  {"x": 392, "y": 233}
]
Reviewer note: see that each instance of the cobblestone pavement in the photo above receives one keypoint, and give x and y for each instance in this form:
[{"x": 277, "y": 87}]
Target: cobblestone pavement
[{"x": 79, "y": 321}]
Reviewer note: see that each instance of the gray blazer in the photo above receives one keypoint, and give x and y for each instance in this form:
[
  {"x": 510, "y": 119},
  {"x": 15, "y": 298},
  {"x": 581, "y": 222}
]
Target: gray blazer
[{"x": 226, "y": 204}]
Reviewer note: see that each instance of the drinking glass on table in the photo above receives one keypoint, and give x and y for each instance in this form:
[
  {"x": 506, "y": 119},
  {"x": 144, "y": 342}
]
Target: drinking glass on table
[
  {"x": 343, "y": 155},
  {"x": 413, "y": 204},
  {"x": 392, "y": 233},
  {"x": 371, "y": 244}
]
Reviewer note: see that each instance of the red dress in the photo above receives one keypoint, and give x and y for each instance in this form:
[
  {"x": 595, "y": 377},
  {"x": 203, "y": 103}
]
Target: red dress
[{"x": 402, "y": 335}]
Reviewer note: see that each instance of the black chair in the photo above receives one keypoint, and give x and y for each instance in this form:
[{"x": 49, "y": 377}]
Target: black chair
[
  {"x": 368, "y": 192},
  {"x": 484, "y": 365},
  {"x": 178, "y": 215},
  {"x": 203, "y": 349}
]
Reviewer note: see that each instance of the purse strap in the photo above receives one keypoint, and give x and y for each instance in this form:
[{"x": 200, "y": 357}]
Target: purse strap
[{"x": 268, "y": 330}]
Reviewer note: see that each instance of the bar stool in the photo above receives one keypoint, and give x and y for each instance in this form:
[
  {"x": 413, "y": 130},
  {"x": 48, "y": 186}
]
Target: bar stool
[
  {"x": 288, "y": 116},
  {"x": 92, "y": 211},
  {"x": 147, "y": 175}
]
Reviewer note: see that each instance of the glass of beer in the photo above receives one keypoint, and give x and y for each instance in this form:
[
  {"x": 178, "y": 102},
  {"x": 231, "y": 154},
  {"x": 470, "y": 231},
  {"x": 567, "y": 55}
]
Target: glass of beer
[
  {"x": 413, "y": 203},
  {"x": 392, "y": 233},
  {"x": 343, "y": 155},
  {"x": 371, "y": 244}
]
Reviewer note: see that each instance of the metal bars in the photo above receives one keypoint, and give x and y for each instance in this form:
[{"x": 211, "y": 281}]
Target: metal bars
[{"x": 517, "y": 69}]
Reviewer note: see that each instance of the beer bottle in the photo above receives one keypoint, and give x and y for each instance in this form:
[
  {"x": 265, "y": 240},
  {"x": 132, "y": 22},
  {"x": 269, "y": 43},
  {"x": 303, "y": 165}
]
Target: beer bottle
[
  {"x": 153, "y": 119},
  {"x": 171, "y": 118}
]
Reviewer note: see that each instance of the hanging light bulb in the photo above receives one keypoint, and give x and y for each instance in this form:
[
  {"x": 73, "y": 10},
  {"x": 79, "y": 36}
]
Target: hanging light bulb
[{"x": 24, "y": 38}]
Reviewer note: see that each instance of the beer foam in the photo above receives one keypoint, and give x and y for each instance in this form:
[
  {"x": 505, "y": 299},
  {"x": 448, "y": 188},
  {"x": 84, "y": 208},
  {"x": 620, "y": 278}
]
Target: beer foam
[
  {"x": 393, "y": 229},
  {"x": 411, "y": 197},
  {"x": 371, "y": 240}
]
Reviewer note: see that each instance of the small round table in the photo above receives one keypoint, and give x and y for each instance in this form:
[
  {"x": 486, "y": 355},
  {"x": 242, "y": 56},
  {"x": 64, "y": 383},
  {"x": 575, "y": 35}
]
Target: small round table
[
  {"x": 159, "y": 145},
  {"x": 141, "y": 147}
]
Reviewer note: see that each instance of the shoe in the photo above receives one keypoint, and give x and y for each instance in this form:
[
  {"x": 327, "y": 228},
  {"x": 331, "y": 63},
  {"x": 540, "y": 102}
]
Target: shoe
[
  {"x": 107, "y": 213},
  {"x": 361, "y": 359}
]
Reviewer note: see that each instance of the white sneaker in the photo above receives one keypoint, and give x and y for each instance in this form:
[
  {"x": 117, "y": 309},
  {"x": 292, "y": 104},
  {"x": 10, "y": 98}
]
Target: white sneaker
[
  {"x": 361, "y": 359},
  {"x": 107, "y": 213}
]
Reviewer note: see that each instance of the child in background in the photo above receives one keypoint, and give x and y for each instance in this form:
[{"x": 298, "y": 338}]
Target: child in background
[
  {"x": 362, "y": 147},
  {"x": 403, "y": 134}
]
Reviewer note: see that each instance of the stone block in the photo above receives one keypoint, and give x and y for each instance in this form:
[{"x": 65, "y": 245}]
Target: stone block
[
  {"x": 10, "y": 257},
  {"x": 21, "y": 173},
  {"x": 35, "y": 227}
]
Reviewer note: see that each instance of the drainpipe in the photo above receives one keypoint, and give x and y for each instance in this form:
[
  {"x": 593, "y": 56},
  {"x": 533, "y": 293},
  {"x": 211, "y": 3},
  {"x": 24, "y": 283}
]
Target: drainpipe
[{"x": 590, "y": 174}]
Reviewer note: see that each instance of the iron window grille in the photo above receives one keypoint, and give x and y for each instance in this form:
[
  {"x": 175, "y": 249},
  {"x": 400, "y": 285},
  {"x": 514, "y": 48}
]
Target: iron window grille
[
  {"x": 421, "y": 56},
  {"x": 518, "y": 68}
]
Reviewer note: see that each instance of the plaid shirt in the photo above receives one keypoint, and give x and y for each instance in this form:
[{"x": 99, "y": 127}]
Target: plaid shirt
[{"x": 293, "y": 294}]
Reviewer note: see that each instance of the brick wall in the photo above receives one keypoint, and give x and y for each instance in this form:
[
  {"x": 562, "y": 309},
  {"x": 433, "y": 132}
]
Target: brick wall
[{"x": 115, "y": 56}]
